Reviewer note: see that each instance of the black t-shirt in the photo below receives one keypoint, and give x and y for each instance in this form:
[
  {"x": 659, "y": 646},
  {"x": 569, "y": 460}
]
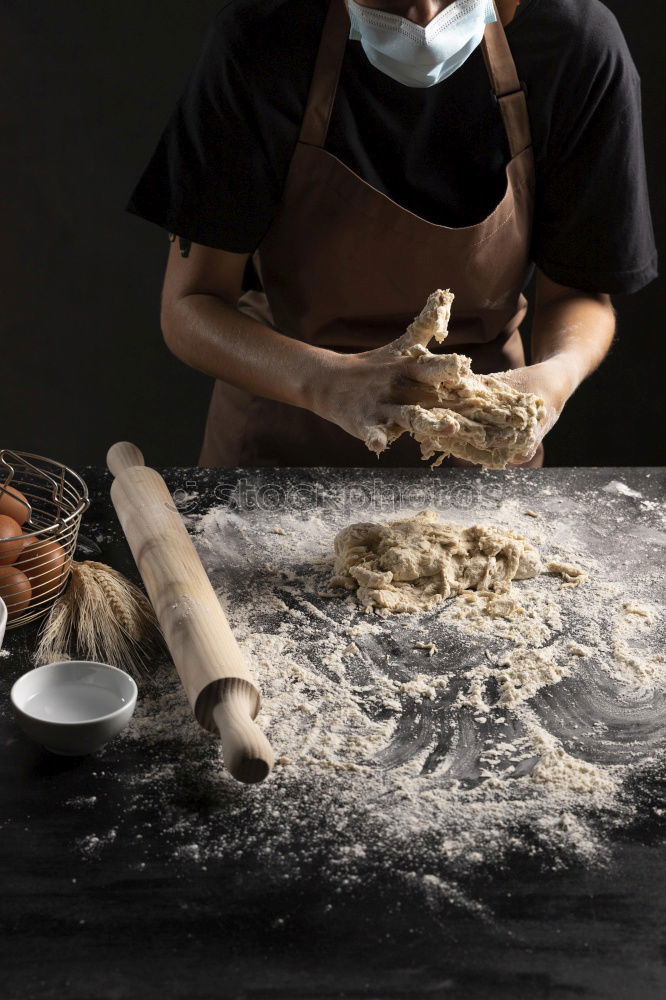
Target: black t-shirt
[{"x": 218, "y": 172}]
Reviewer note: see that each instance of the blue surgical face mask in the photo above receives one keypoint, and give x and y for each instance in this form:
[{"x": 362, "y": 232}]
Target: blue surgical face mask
[{"x": 420, "y": 56}]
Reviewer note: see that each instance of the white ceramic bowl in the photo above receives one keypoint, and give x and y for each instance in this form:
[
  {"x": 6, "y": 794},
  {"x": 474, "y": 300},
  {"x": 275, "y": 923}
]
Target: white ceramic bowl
[
  {"x": 74, "y": 707},
  {"x": 3, "y": 620}
]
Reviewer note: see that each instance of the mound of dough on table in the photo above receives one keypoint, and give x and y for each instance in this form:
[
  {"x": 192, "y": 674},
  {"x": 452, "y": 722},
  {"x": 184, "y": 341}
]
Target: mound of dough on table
[
  {"x": 479, "y": 417},
  {"x": 411, "y": 565}
]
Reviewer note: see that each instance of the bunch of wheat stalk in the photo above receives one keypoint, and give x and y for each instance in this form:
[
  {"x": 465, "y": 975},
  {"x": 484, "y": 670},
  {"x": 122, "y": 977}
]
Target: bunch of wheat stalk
[{"x": 101, "y": 616}]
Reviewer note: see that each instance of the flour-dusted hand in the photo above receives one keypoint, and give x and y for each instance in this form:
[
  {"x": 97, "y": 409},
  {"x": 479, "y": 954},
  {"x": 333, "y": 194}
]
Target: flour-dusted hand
[
  {"x": 402, "y": 387},
  {"x": 550, "y": 383},
  {"x": 437, "y": 398},
  {"x": 373, "y": 395}
]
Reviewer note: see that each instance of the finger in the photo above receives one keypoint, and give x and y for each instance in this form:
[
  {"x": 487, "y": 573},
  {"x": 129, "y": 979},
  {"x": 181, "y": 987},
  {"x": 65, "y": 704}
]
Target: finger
[
  {"x": 433, "y": 424},
  {"x": 432, "y": 321},
  {"x": 395, "y": 422},
  {"x": 376, "y": 438},
  {"x": 418, "y": 420},
  {"x": 527, "y": 454},
  {"x": 440, "y": 369},
  {"x": 379, "y": 436},
  {"x": 531, "y": 448},
  {"x": 529, "y": 461}
]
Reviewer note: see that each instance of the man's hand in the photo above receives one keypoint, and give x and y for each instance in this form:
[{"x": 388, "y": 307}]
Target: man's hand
[
  {"x": 365, "y": 393},
  {"x": 571, "y": 334},
  {"x": 552, "y": 383}
]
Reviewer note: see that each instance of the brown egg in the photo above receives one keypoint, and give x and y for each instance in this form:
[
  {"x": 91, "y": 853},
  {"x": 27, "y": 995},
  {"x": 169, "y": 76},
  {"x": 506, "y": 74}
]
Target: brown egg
[
  {"x": 10, "y": 550},
  {"x": 44, "y": 562},
  {"x": 10, "y": 504},
  {"x": 15, "y": 590}
]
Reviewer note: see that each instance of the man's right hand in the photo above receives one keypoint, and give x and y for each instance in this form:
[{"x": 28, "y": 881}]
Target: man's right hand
[{"x": 369, "y": 394}]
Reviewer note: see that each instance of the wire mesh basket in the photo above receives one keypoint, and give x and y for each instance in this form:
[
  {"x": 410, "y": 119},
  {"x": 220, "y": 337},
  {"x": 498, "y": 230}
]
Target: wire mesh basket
[{"x": 35, "y": 566}]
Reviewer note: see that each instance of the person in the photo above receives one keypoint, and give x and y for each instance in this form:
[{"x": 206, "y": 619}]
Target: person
[{"x": 332, "y": 162}]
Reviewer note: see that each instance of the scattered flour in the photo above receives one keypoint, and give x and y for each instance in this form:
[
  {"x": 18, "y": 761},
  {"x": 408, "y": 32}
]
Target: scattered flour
[
  {"x": 430, "y": 646},
  {"x": 94, "y": 844},
  {"x": 525, "y": 671},
  {"x": 82, "y": 801},
  {"x": 440, "y": 744},
  {"x": 516, "y": 732},
  {"x": 572, "y": 575},
  {"x": 615, "y": 486}
]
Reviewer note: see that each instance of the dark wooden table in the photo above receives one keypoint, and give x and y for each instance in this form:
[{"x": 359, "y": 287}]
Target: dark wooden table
[{"x": 101, "y": 924}]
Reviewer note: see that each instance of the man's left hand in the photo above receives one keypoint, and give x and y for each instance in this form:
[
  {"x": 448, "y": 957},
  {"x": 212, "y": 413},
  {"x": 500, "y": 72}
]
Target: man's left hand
[{"x": 550, "y": 381}]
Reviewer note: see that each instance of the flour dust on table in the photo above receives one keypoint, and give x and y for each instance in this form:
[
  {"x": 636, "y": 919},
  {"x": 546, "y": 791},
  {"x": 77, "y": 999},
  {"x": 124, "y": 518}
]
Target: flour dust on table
[{"x": 427, "y": 747}]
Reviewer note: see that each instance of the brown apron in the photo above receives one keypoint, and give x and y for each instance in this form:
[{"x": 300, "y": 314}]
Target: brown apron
[{"x": 345, "y": 267}]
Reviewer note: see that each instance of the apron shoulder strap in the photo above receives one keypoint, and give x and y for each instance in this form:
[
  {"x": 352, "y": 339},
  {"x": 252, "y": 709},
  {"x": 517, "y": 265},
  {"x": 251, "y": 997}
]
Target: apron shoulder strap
[
  {"x": 324, "y": 85},
  {"x": 509, "y": 92},
  {"x": 496, "y": 53}
]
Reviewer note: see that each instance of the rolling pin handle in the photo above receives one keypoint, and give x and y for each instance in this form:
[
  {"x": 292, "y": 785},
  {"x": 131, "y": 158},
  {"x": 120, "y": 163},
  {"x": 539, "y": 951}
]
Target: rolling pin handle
[
  {"x": 123, "y": 455},
  {"x": 247, "y": 752}
]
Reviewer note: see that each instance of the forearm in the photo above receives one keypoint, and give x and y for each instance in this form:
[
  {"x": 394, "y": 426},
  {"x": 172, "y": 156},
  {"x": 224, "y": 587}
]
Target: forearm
[
  {"x": 214, "y": 337},
  {"x": 572, "y": 335}
]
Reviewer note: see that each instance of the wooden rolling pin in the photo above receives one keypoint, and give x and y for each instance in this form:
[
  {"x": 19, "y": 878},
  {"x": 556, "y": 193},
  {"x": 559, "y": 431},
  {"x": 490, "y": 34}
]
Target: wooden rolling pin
[{"x": 215, "y": 676}]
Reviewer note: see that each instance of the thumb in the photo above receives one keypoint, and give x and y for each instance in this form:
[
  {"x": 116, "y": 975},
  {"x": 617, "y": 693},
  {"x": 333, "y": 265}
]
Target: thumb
[{"x": 432, "y": 321}]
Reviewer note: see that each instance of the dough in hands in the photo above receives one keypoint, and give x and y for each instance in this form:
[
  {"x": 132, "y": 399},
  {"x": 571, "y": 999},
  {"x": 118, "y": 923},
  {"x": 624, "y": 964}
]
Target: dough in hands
[
  {"x": 413, "y": 564},
  {"x": 479, "y": 417}
]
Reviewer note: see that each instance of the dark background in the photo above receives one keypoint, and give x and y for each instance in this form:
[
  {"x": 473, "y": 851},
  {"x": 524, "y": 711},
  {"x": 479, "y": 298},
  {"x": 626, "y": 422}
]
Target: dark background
[{"x": 87, "y": 90}]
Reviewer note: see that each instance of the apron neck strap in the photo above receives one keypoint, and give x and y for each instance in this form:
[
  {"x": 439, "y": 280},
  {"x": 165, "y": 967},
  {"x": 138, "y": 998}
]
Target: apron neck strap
[
  {"x": 507, "y": 88},
  {"x": 326, "y": 74},
  {"x": 497, "y": 56}
]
